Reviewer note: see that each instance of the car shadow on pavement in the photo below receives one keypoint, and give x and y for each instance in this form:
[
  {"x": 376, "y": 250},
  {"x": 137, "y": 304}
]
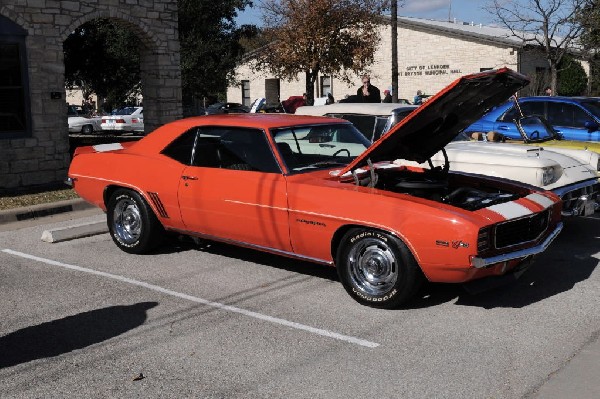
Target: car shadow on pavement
[
  {"x": 267, "y": 259},
  {"x": 570, "y": 260},
  {"x": 56, "y": 337}
]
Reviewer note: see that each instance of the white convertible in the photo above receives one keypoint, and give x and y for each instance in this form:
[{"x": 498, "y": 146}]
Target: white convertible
[{"x": 572, "y": 174}]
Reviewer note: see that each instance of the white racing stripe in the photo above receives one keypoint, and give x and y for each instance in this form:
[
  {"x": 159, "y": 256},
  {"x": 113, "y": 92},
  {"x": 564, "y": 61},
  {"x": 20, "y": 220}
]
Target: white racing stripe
[
  {"x": 249, "y": 313},
  {"x": 108, "y": 147},
  {"x": 510, "y": 210},
  {"x": 539, "y": 199}
]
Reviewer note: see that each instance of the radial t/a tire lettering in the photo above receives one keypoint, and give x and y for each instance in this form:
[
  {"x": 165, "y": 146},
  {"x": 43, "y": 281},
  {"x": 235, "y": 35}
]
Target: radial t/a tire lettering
[
  {"x": 132, "y": 224},
  {"x": 376, "y": 268}
]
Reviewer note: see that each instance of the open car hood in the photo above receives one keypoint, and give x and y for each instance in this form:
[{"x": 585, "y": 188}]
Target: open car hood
[{"x": 435, "y": 123}]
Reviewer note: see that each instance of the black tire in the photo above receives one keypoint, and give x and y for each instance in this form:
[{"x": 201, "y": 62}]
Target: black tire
[
  {"x": 377, "y": 269},
  {"x": 132, "y": 224},
  {"x": 87, "y": 129}
]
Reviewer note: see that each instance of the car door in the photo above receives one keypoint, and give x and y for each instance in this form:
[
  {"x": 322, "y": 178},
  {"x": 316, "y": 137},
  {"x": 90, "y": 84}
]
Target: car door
[
  {"x": 569, "y": 120},
  {"x": 506, "y": 122},
  {"x": 234, "y": 189}
]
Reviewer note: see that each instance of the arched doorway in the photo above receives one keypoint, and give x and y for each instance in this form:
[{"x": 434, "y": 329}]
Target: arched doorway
[{"x": 38, "y": 154}]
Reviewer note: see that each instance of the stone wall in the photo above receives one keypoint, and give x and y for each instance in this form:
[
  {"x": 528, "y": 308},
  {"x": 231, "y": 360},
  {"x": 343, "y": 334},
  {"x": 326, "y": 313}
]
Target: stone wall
[{"x": 43, "y": 157}]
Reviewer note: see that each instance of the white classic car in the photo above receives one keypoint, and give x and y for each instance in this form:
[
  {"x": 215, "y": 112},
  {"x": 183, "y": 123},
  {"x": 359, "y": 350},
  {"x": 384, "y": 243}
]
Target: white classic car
[
  {"x": 79, "y": 122},
  {"x": 572, "y": 174}
]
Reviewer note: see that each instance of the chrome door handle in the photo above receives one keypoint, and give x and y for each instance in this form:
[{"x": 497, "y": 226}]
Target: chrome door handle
[{"x": 184, "y": 177}]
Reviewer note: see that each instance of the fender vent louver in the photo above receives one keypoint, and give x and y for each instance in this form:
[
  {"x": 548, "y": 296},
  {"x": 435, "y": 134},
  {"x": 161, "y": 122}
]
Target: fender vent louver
[{"x": 162, "y": 212}]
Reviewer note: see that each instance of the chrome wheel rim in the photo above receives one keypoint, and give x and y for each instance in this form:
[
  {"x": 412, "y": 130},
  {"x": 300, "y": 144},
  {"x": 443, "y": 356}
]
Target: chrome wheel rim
[
  {"x": 127, "y": 221},
  {"x": 373, "y": 267}
]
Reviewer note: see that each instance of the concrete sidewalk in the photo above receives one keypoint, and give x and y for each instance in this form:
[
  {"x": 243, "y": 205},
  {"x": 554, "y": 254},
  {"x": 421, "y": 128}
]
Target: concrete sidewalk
[{"x": 578, "y": 379}]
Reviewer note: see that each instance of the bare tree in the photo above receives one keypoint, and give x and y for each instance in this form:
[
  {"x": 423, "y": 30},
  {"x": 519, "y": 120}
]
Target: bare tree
[
  {"x": 550, "y": 25},
  {"x": 335, "y": 37}
]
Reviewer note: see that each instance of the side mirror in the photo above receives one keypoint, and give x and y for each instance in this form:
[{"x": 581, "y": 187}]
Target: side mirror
[{"x": 591, "y": 126}]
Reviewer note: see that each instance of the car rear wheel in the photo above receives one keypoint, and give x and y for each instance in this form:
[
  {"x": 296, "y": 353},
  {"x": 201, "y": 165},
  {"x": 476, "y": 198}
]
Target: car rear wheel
[
  {"x": 377, "y": 269},
  {"x": 132, "y": 223},
  {"x": 87, "y": 129}
]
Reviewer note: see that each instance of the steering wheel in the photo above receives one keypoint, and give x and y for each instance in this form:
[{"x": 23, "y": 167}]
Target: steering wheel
[
  {"x": 534, "y": 135},
  {"x": 340, "y": 150}
]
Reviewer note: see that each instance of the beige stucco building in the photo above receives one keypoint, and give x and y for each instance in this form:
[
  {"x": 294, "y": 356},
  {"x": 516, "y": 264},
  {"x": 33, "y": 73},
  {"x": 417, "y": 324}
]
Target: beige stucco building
[{"x": 431, "y": 54}]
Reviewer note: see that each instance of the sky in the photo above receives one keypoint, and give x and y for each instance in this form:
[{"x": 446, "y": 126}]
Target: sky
[{"x": 462, "y": 10}]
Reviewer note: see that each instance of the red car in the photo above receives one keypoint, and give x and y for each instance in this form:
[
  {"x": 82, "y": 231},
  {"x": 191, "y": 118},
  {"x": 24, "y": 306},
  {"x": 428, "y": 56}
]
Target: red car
[{"x": 312, "y": 188}]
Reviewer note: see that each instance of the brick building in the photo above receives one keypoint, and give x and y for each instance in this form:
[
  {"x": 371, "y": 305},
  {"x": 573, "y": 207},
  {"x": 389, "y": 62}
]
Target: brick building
[
  {"x": 431, "y": 54},
  {"x": 34, "y": 143}
]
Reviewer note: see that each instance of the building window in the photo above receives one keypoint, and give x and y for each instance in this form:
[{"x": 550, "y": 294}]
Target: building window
[
  {"x": 14, "y": 90},
  {"x": 325, "y": 85},
  {"x": 246, "y": 93}
]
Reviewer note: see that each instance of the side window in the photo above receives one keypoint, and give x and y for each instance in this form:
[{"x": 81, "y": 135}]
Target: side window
[
  {"x": 530, "y": 108},
  {"x": 563, "y": 114},
  {"x": 364, "y": 123},
  {"x": 234, "y": 148},
  {"x": 181, "y": 148}
]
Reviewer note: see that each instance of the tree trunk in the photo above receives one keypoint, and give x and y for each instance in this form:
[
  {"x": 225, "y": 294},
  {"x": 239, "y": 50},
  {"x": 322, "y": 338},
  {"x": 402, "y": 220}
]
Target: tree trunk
[
  {"x": 394, "y": 10},
  {"x": 311, "y": 77},
  {"x": 553, "y": 78}
]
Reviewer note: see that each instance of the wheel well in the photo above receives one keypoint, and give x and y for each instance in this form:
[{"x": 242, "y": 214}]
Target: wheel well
[
  {"x": 337, "y": 236},
  {"x": 109, "y": 190}
]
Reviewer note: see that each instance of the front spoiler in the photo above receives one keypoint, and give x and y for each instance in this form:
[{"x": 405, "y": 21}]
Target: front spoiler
[{"x": 480, "y": 263}]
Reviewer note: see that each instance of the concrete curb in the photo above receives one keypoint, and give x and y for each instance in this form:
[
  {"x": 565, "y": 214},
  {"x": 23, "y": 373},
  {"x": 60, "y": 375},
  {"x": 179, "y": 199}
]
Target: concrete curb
[
  {"x": 42, "y": 210},
  {"x": 74, "y": 232}
]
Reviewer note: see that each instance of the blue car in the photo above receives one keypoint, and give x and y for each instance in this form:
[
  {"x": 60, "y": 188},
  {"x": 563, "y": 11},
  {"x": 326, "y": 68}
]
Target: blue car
[{"x": 574, "y": 118}]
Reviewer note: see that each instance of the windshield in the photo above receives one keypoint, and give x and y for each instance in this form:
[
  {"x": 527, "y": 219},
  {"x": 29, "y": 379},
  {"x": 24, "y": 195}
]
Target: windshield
[
  {"x": 593, "y": 107},
  {"x": 305, "y": 148}
]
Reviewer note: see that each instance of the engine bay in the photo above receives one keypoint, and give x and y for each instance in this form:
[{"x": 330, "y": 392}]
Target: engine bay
[{"x": 436, "y": 184}]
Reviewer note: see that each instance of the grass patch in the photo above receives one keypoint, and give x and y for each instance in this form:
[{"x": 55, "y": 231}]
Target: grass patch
[{"x": 36, "y": 198}]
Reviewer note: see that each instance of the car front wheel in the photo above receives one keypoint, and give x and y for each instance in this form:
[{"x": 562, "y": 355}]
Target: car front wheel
[
  {"x": 377, "y": 269},
  {"x": 87, "y": 129},
  {"x": 132, "y": 223}
]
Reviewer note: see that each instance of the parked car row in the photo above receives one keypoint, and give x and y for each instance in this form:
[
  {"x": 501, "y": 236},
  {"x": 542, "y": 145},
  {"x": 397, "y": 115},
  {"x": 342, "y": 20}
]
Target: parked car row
[
  {"x": 385, "y": 212},
  {"x": 569, "y": 168},
  {"x": 126, "y": 119}
]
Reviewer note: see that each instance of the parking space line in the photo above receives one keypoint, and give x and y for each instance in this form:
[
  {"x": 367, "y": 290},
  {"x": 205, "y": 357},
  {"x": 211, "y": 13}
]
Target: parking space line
[{"x": 249, "y": 313}]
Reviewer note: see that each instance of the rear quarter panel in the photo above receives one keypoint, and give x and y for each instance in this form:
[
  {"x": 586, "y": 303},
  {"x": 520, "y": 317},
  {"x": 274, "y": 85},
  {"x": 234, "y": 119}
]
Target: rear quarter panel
[{"x": 96, "y": 172}]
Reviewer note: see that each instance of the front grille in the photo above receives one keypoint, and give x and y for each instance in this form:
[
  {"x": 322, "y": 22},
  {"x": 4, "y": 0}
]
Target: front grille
[
  {"x": 571, "y": 198},
  {"x": 522, "y": 230}
]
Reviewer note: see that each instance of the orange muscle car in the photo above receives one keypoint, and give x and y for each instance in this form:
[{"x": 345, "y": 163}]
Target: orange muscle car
[{"x": 312, "y": 188}]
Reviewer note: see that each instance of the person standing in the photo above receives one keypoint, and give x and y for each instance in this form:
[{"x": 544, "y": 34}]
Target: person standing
[
  {"x": 418, "y": 99},
  {"x": 368, "y": 93},
  {"x": 548, "y": 91}
]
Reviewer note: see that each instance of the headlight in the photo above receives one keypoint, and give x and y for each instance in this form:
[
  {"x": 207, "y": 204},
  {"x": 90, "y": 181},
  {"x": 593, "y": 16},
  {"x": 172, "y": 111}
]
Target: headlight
[{"x": 547, "y": 175}]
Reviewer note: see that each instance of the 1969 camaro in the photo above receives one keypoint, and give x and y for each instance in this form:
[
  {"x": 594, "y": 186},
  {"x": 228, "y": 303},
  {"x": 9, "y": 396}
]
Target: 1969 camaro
[{"x": 264, "y": 181}]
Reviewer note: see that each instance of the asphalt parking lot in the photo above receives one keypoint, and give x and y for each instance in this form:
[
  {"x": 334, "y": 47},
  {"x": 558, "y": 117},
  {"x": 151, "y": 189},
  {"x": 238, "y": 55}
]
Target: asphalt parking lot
[{"x": 83, "y": 319}]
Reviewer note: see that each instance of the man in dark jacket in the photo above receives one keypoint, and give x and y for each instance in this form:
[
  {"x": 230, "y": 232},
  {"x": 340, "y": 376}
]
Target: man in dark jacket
[{"x": 368, "y": 93}]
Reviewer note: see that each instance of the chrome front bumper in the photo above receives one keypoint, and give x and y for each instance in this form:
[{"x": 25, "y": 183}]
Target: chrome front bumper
[
  {"x": 580, "y": 199},
  {"x": 480, "y": 263}
]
